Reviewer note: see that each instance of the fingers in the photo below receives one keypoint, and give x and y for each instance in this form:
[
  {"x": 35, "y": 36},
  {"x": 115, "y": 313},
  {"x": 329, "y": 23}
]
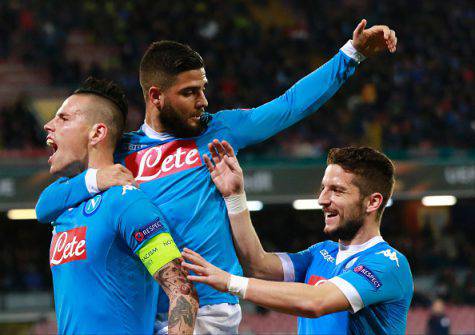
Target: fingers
[
  {"x": 229, "y": 149},
  {"x": 359, "y": 28},
  {"x": 392, "y": 42},
  {"x": 199, "y": 270},
  {"x": 208, "y": 163},
  {"x": 193, "y": 257}
]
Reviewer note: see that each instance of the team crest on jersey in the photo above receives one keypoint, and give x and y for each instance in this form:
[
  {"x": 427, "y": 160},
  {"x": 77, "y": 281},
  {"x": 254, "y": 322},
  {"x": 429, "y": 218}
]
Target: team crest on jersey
[
  {"x": 68, "y": 246},
  {"x": 92, "y": 205},
  {"x": 351, "y": 263},
  {"x": 163, "y": 160},
  {"x": 316, "y": 280}
]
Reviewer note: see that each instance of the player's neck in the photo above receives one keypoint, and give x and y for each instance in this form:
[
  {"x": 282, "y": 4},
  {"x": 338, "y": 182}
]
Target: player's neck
[
  {"x": 364, "y": 234},
  {"x": 152, "y": 119},
  {"x": 98, "y": 158}
]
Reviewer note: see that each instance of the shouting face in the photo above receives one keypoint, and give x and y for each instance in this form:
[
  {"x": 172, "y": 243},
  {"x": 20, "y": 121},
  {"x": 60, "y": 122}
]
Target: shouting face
[
  {"x": 68, "y": 136},
  {"x": 342, "y": 203}
]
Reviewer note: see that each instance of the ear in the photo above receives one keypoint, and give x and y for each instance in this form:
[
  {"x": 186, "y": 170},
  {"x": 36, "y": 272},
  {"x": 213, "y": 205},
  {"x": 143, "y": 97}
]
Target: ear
[
  {"x": 155, "y": 97},
  {"x": 374, "y": 203},
  {"x": 98, "y": 133}
]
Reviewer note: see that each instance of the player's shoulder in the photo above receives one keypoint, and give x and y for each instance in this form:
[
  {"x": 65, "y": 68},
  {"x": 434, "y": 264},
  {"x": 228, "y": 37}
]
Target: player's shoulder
[
  {"x": 123, "y": 195},
  {"x": 388, "y": 256},
  {"x": 328, "y": 247}
]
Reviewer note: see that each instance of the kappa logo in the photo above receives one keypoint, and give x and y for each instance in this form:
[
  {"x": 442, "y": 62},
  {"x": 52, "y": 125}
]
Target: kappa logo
[
  {"x": 327, "y": 256},
  {"x": 92, "y": 205},
  {"x": 126, "y": 188},
  {"x": 162, "y": 160},
  {"x": 390, "y": 254}
]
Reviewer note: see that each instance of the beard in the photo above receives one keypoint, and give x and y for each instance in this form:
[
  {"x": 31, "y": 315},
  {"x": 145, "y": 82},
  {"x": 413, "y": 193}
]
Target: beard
[
  {"x": 348, "y": 228},
  {"x": 178, "y": 125}
]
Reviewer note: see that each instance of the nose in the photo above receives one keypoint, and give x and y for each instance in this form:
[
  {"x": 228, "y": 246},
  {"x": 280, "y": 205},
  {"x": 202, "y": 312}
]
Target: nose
[
  {"x": 202, "y": 101},
  {"x": 323, "y": 198},
  {"x": 49, "y": 126}
]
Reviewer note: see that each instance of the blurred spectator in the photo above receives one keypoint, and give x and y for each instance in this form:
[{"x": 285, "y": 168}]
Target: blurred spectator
[
  {"x": 419, "y": 99},
  {"x": 439, "y": 323}
]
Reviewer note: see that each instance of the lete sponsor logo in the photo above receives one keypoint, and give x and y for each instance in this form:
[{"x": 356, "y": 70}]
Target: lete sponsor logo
[
  {"x": 368, "y": 275},
  {"x": 163, "y": 160},
  {"x": 68, "y": 246}
]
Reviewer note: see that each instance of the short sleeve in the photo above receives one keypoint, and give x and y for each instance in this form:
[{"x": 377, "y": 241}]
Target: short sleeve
[
  {"x": 140, "y": 220},
  {"x": 372, "y": 280},
  {"x": 295, "y": 265},
  {"x": 143, "y": 228}
]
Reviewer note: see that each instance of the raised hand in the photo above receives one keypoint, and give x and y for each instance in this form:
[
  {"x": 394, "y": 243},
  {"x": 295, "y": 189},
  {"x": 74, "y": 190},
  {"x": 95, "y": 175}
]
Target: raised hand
[
  {"x": 373, "y": 40},
  {"x": 114, "y": 175},
  {"x": 205, "y": 272},
  {"x": 224, "y": 168}
]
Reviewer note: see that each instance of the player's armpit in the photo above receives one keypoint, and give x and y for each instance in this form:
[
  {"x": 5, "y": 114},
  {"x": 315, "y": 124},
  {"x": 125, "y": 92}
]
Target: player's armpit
[{"x": 183, "y": 297}]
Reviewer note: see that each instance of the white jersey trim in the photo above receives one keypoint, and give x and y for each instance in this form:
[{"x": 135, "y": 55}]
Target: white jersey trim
[
  {"x": 287, "y": 266},
  {"x": 350, "y": 293},
  {"x": 349, "y": 50},
  {"x": 150, "y": 132},
  {"x": 91, "y": 181},
  {"x": 346, "y": 251}
]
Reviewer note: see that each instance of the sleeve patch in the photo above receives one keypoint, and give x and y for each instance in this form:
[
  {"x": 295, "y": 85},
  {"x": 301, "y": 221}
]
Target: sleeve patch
[
  {"x": 157, "y": 252},
  {"x": 148, "y": 230},
  {"x": 368, "y": 275}
]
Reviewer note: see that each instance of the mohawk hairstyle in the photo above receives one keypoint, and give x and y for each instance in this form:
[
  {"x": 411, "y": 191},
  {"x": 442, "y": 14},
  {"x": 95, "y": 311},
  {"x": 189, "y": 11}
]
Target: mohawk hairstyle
[{"x": 106, "y": 89}]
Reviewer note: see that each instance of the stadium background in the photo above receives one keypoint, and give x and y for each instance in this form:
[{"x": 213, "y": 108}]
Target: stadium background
[{"x": 416, "y": 105}]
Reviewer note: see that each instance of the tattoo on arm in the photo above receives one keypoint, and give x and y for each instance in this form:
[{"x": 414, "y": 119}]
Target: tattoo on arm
[{"x": 182, "y": 295}]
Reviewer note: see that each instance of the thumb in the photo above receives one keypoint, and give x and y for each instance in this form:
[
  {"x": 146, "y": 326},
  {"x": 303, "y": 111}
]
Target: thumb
[{"x": 359, "y": 29}]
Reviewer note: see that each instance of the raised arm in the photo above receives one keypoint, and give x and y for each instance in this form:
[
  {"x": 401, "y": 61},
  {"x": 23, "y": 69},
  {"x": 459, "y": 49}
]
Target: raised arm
[
  {"x": 310, "y": 93},
  {"x": 228, "y": 178},
  {"x": 69, "y": 192}
]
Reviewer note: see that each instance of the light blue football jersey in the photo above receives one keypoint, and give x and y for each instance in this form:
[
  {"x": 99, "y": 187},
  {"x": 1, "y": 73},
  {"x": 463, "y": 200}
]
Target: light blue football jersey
[
  {"x": 100, "y": 284},
  {"x": 376, "y": 280},
  {"x": 172, "y": 173}
]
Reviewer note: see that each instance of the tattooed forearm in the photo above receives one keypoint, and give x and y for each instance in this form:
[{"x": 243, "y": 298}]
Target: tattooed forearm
[{"x": 183, "y": 298}]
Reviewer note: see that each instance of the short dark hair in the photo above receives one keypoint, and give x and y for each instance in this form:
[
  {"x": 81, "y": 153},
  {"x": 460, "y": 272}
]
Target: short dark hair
[
  {"x": 115, "y": 95},
  {"x": 374, "y": 171},
  {"x": 163, "y": 61}
]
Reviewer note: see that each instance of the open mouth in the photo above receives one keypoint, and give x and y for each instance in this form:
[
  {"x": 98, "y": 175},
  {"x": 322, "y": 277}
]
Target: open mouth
[
  {"x": 330, "y": 214},
  {"x": 53, "y": 148}
]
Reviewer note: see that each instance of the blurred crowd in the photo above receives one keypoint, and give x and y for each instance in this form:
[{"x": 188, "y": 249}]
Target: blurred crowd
[{"x": 419, "y": 99}]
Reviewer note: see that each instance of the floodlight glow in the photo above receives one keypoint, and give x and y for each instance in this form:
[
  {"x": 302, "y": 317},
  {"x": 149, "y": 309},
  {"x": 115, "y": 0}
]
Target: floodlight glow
[
  {"x": 390, "y": 202},
  {"x": 254, "y": 205},
  {"x": 21, "y": 214},
  {"x": 439, "y": 200},
  {"x": 305, "y": 204}
]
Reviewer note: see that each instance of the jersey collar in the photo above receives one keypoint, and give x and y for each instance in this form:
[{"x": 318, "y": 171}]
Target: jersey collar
[
  {"x": 346, "y": 251},
  {"x": 150, "y": 132}
]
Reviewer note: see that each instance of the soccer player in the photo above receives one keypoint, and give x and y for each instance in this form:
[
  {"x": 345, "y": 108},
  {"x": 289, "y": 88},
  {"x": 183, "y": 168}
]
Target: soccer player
[
  {"x": 165, "y": 154},
  {"x": 361, "y": 273},
  {"x": 105, "y": 250}
]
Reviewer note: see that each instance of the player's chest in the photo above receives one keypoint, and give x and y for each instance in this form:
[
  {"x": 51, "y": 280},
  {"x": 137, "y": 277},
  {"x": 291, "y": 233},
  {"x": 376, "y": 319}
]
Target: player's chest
[
  {"x": 81, "y": 234},
  {"x": 161, "y": 161},
  {"x": 325, "y": 266}
]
